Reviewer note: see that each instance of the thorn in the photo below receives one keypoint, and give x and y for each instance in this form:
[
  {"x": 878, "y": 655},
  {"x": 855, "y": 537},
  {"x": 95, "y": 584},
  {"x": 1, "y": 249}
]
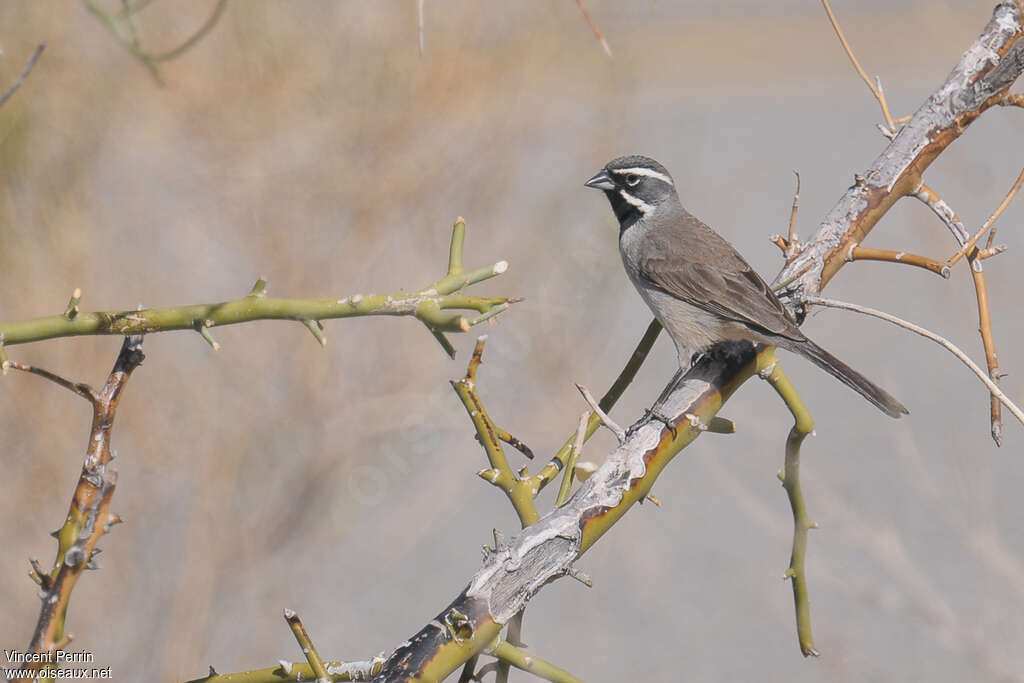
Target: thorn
[
  {"x": 213, "y": 672},
  {"x": 71, "y": 310},
  {"x": 650, "y": 497},
  {"x": 317, "y": 329},
  {"x": 721, "y": 425},
  {"x": 112, "y": 519},
  {"x": 286, "y": 666},
  {"x": 781, "y": 477},
  {"x": 619, "y": 432},
  {"x": 812, "y": 525},
  {"x": 523, "y": 472},
  {"x": 443, "y": 341},
  {"x": 490, "y": 474},
  {"x": 494, "y": 311},
  {"x": 39, "y": 575},
  {"x": 260, "y": 288},
  {"x": 581, "y": 577},
  {"x": 356, "y": 299},
  {"x": 204, "y": 332}
]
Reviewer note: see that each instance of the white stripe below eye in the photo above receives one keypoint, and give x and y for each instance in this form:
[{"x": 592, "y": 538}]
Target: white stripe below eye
[
  {"x": 647, "y": 172},
  {"x": 641, "y": 206}
]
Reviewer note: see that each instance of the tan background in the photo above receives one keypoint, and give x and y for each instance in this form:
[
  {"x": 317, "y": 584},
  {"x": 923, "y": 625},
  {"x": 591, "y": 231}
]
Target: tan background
[{"x": 311, "y": 143}]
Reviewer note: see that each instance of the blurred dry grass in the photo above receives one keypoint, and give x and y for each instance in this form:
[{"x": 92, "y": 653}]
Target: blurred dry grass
[{"x": 310, "y": 143}]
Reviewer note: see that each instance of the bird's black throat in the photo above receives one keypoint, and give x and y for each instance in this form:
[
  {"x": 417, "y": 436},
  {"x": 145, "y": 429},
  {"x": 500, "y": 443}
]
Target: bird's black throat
[{"x": 624, "y": 211}]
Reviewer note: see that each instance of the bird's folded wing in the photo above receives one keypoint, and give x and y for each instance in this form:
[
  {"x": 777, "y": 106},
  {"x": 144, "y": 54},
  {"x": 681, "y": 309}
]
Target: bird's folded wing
[{"x": 740, "y": 295}]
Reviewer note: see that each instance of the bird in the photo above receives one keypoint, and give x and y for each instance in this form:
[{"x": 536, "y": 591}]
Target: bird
[{"x": 701, "y": 290}]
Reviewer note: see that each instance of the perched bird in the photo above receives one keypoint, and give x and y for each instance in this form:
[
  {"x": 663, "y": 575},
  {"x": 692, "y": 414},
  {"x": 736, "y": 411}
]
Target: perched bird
[{"x": 696, "y": 284}]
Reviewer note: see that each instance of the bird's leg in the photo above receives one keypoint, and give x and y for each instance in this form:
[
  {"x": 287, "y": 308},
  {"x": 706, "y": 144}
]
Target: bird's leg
[{"x": 652, "y": 413}]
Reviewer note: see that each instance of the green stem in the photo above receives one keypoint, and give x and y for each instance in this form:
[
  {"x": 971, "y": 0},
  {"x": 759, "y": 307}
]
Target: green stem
[
  {"x": 803, "y": 424},
  {"x": 557, "y": 463},
  {"x": 526, "y": 662}
]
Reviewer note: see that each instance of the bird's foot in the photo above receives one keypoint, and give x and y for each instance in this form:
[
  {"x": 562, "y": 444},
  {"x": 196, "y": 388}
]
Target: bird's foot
[{"x": 652, "y": 414}]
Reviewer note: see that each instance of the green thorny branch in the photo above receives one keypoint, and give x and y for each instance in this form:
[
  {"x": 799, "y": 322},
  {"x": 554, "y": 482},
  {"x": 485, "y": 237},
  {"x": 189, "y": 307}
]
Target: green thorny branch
[
  {"x": 522, "y": 490},
  {"x": 768, "y": 368},
  {"x": 437, "y": 306},
  {"x": 122, "y": 25}
]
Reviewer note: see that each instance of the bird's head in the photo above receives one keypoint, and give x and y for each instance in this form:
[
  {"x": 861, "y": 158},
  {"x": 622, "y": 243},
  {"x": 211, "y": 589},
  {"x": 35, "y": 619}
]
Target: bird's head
[{"x": 635, "y": 185}]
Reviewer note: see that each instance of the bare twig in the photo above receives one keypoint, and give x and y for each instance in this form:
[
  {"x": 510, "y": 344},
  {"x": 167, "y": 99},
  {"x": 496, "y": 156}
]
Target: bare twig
[
  {"x": 618, "y": 431},
  {"x": 520, "y": 489},
  {"x": 29, "y": 65},
  {"x": 792, "y": 213},
  {"x": 574, "y": 454},
  {"x": 949, "y": 346},
  {"x": 593, "y": 27},
  {"x": 131, "y": 42},
  {"x": 968, "y": 248},
  {"x": 89, "y": 515},
  {"x": 419, "y": 17},
  {"x": 859, "y": 253},
  {"x": 876, "y": 88},
  {"x": 316, "y": 662},
  {"x": 970, "y": 244}
]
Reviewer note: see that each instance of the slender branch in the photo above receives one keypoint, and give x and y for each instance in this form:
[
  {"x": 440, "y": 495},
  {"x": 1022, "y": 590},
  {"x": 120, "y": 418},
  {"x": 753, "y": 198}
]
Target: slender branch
[
  {"x": 593, "y": 27},
  {"x": 770, "y": 370},
  {"x": 981, "y": 79},
  {"x": 29, "y": 65},
  {"x": 989, "y": 344},
  {"x": 80, "y": 388},
  {"x": 574, "y": 454},
  {"x": 131, "y": 42},
  {"x": 89, "y": 515},
  {"x": 969, "y": 245},
  {"x": 975, "y": 256},
  {"x": 948, "y": 345},
  {"x": 790, "y": 245},
  {"x": 607, "y": 402},
  {"x": 519, "y": 488},
  {"x": 316, "y": 663},
  {"x": 618, "y": 431},
  {"x": 433, "y": 305},
  {"x": 859, "y": 253},
  {"x": 876, "y": 88},
  {"x": 469, "y": 670},
  {"x": 419, "y": 17},
  {"x": 943, "y": 211},
  {"x": 541, "y": 668}
]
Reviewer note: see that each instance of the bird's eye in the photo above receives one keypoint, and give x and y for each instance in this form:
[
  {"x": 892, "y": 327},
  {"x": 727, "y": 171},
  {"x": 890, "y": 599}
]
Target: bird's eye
[{"x": 632, "y": 180}]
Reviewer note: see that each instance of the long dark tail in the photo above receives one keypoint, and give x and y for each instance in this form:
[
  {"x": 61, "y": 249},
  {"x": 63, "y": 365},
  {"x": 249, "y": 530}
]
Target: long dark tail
[{"x": 847, "y": 375}]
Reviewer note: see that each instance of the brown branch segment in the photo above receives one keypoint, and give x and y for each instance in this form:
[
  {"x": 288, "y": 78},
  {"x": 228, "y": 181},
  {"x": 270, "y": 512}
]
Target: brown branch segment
[
  {"x": 982, "y": 79},
  {"x": 89, "y": 515}
]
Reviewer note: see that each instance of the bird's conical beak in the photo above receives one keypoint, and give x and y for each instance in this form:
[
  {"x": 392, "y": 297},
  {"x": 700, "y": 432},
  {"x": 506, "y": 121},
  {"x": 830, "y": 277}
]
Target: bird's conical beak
[{"x": 601, "y": 181}]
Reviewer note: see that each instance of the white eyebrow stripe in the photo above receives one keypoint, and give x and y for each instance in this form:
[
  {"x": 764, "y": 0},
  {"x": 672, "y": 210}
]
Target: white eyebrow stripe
[
  {"x": 641, "y": 206},
  {"x": 640, "y": 170}
]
